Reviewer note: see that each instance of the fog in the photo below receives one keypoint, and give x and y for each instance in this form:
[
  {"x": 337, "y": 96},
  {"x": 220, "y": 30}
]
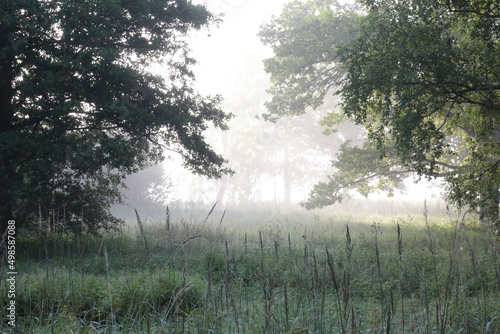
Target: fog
[{"x": 275, "y": 165}]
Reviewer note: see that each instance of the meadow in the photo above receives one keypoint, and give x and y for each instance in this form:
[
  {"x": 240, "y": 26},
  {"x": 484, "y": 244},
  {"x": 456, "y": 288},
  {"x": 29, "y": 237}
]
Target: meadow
[{"x": 262, "y": 272}]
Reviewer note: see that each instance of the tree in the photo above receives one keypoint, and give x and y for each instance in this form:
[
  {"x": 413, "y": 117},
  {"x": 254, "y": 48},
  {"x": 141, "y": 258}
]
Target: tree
[
  {"x": 148, "y": 190},
  {"x": 423, "y": 78},
  {"x": 304, "y": 67},
  {"x": 81, "y": 107}
]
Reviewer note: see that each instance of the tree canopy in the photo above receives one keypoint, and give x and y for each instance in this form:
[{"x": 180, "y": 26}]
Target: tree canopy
[
  {"x": 423, "y": 78},
  {"x": 81, "y": 107}
]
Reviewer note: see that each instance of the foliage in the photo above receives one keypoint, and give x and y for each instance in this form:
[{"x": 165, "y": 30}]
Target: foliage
[
  {"x": 421, "y": 76},
  {"x": 303, "y": 39},
  {"x": 388, "y": 173},
  {"x": 81, "y": 106}
]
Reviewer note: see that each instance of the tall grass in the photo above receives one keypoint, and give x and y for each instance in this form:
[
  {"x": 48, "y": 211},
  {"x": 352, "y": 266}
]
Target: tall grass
[{"x": 287, "y": 274}]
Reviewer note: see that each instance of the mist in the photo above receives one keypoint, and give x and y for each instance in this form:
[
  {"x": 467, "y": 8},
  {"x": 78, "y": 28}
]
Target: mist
[{"x": 275, "y": 164}]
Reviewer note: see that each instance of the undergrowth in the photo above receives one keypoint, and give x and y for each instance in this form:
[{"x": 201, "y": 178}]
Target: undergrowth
[{"x": 288, "y": 274}]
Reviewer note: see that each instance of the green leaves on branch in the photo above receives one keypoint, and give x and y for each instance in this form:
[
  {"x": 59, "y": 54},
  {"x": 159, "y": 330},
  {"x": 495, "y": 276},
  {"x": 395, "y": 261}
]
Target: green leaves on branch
[
  {"x": 421, "y": 76},
  {"x": 360, "y": 168},
  {"x": 81, "y": 107},
  {"x": 304, "y": 39}
]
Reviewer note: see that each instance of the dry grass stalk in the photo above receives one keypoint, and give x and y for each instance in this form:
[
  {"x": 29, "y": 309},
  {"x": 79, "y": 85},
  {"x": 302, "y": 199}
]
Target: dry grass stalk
[
  {"x": 287, "y": 316},
  {"x": 222, "y": 218},
  {"x": 331, "y": 266},
  {"x": 182, "y": 246},
  {"x": 315, "y": 272},
  {"x": 229, "y": 290},
  {"x": 108, "y": 282},
  {"x": 178, "y": 296},
  {"x": 401, "y": 274},
  {"x": 167, "y": 219},
  {"x": 141, "y": 229},
  {"x": 187, "y": 241},
  {"x": 346, "y": 277},
  {"x": 375, "y": 227},
  {"x": 211, "y": 210}
]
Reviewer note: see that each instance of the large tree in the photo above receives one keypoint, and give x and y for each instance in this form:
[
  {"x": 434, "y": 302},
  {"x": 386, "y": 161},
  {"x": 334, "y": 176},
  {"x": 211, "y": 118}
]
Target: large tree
[
  {"x": 422, "y": 76},
  {"x": 81, "y": 107}
]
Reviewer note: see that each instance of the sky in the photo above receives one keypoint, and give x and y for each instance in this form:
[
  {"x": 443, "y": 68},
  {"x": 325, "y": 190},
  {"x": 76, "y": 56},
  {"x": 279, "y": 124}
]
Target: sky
[
  {"x": 233, "y": 41},
  {"x": 236, "y": 38}
]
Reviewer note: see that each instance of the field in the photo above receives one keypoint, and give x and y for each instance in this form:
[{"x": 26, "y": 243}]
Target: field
[{"x": 262, "y": 273}]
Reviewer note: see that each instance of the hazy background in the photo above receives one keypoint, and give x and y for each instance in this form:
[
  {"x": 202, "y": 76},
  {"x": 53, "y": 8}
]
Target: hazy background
[{"x": 276, "y": 164}]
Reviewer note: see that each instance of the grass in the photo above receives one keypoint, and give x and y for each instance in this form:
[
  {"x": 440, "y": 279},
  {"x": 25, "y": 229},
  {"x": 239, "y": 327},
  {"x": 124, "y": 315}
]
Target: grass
[{"x": 296, "y": 273}]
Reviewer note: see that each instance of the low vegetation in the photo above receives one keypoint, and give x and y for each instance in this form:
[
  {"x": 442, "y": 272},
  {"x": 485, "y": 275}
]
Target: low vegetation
[{"x": 297, "y": 273}]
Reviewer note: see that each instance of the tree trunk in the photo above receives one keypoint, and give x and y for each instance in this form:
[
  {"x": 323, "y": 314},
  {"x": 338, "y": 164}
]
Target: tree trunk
[
  {"x": 287, "y": 177},
  {"x": 222, "y": 190},
  {"x": 346, "y": 198}
]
